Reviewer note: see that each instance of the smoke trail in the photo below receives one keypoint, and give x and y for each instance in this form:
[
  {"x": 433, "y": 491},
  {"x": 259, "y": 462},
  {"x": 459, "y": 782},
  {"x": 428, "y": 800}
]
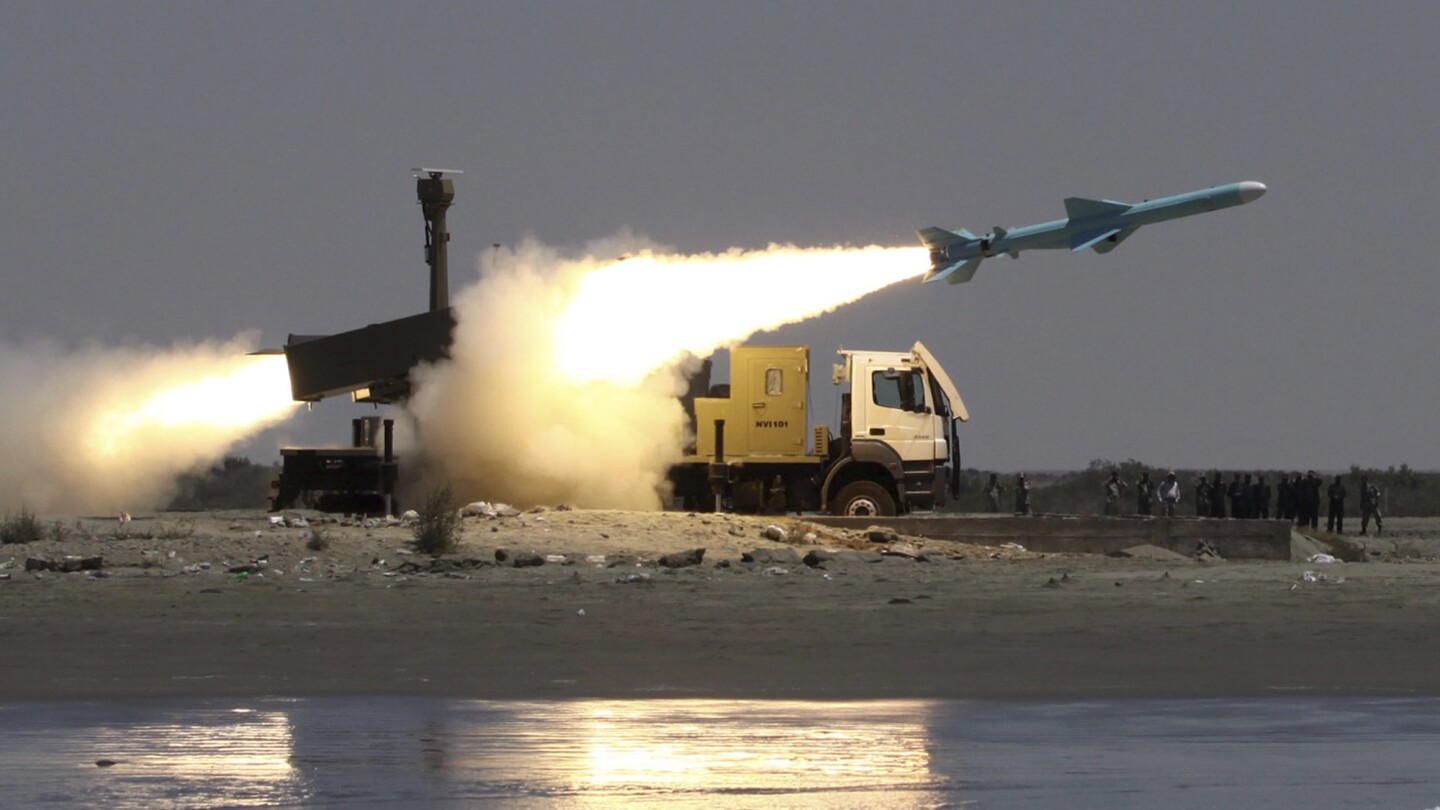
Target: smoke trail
[
  {"x": 104, "y": 429},
  {"x": 563, "y": 373}
]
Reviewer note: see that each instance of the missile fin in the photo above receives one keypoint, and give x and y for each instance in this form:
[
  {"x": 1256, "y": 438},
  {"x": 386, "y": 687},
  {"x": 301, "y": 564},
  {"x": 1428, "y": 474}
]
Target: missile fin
[
  {"x": 941, "y": 238},
  {"x": 1085, "y": 239},
  {"x": 1083, "y": 208},
  {"x": 964, "y": 272},
  {"x": 1110, "y": 244}
]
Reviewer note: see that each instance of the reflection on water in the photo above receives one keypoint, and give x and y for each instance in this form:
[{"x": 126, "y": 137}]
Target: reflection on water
[
  {"x": 341, "y": 752},
  {"x": 751, "y": 747},
  {"x": 406, "y": 751}
]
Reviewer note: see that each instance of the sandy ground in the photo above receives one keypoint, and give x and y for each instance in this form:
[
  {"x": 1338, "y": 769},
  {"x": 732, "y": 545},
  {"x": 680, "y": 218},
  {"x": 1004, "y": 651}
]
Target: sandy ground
[{"x": 167, "y": 617}]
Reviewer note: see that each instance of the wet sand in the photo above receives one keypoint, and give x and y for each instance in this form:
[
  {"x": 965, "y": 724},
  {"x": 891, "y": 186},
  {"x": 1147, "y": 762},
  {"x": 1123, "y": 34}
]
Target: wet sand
[{"x": 970, "y": 622}]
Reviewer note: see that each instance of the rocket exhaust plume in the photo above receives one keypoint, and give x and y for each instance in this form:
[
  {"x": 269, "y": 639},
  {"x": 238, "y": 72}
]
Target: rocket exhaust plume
[
  {"x": 104, "y": 429},
  {"x": 562, "y": 381}
]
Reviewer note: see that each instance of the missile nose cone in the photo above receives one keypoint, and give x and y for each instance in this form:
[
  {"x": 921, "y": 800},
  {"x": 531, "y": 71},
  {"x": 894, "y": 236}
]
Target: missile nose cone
[{"x": 1251, "y": 190}]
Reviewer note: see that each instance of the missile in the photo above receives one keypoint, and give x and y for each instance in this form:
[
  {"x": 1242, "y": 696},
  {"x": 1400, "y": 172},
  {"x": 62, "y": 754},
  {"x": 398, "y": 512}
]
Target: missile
[{"x": 1100, "y": 225}]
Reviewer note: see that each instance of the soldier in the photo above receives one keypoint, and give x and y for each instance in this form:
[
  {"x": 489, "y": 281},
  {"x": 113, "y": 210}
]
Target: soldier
[
  {"x": 1297, "y": 497},
  {"x": 993, "y": 491},
  {"x": 1369, "y": 505},
  {"x": 1236, "y": 494},
  {"x": 1217, "y": 496},
  {"x": 1202, "y": 497},
  {"x": 1145, "y": 494},
  {"x": 1169, "y": 495},
  {"x": 1113, "y": 487},
  {"x": 1310, "y": 500},
  {"x": 1260, "y": 499},
  {"x": 1335, "y": 516},
  {"x": 1282, "y": 498},
  {"x": 1022, "y": 495}
]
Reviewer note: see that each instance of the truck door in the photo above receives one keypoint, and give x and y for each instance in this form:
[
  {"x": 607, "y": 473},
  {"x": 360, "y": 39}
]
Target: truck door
[
  {"x": 898, "y": 412},
  {"x": 776, "y": 380}
]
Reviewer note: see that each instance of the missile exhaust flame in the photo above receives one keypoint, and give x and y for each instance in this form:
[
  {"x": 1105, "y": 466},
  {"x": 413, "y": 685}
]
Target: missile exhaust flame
[
  {"x": 105, "y": 429},
  {"x": 697, "y": 304}
]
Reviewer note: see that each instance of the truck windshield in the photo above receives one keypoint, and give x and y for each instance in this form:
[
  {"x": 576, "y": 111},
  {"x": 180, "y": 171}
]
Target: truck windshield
[{"x": 905, "y": 390}]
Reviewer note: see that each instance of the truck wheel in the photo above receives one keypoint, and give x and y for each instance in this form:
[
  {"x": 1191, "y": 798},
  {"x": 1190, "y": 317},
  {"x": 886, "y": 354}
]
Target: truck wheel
[{"x": 862, "y": 499}]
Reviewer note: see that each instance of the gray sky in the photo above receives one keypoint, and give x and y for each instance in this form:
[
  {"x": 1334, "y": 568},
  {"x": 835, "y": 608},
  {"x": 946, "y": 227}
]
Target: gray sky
[{"x": 184, "y": 171}]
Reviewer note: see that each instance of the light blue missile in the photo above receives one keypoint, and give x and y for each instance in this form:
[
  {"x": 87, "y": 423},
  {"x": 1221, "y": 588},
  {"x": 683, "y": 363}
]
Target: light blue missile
[{"x": 1100, "y": 225}]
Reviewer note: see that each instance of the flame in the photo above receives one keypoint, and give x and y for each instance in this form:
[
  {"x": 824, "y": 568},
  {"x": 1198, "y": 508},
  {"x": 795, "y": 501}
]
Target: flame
[
  {"x": 104, "y": 429},
  {"x": 255, "y": 392},
  {"x": 627, "y": 319}
]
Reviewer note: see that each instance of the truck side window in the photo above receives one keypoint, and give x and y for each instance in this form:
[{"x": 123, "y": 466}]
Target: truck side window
[
  {"x": 774, "y": 378},
  {"x": 903, "y": 390},
  {"x": 912, "y": 392},
  {"x": 886, "y": 388}
]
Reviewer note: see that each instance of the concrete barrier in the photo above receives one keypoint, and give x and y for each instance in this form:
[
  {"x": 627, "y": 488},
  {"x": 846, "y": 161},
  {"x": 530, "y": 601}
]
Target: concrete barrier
[{"x": 1232, "y": 539}]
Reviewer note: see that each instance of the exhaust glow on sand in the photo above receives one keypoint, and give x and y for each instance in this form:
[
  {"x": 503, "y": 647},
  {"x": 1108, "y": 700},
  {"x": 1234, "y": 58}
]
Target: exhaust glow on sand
[
  {"x": 104, "y": 429},
  {"x": 563, "y": 376}
]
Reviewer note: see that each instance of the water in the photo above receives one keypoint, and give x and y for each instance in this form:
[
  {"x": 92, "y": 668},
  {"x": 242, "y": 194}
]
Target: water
[{"x": 428, "y": 752}]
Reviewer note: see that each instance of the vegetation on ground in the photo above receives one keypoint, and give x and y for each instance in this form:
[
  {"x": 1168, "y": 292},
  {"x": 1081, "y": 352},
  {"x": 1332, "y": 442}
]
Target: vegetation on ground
[
  {"x": 437, "y": 529},
  {"x": 23, "y": 527}
]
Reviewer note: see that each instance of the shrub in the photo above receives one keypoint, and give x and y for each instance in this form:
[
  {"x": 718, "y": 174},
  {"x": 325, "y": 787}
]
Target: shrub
[
  {"x": 437, "y": 530},
  {"x": 21, "y": 528}
]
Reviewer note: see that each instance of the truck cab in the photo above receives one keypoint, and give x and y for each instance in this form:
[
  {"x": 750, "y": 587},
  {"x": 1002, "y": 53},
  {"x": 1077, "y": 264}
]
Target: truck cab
[
  {"x": 757, "y": 447},
  {"x": 898, "y": 447}
]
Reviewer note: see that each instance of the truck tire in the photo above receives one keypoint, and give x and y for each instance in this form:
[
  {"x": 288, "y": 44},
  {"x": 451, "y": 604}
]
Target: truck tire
[{"x": 862, "y": 499}]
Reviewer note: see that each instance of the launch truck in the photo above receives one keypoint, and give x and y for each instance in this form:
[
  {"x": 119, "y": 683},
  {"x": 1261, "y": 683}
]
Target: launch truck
[
  {"x": 756, "y": 448},
  {"x": 755, "y": 445}
]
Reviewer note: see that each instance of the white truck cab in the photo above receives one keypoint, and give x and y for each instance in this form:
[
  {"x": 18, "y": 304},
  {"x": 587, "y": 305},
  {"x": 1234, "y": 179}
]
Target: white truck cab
[{"x": 756, "y": 448}]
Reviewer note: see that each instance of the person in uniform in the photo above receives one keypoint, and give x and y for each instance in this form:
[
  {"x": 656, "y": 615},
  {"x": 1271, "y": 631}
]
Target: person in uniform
[
  {"x": 1022, "y": 495},
  {"x": 1236, "y": 493},
  {"x": 1297, "y": 497},
  {"x": 1335, "y": 515},
  {"x": 1202, "y": 497},
  {"x": 1113, "y": 487},
  {"x": 1369, "y": 505},
  {"x": 1217, "y": 496},
  {"x": 1260, "y": 499},
  {"x": 1310, "y": 500},
  {"x": 1145, "y": 494},
  {"x": 1282, "y": 498}
]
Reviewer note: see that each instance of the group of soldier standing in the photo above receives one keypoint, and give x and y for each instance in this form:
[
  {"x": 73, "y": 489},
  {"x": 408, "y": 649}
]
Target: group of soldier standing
[{"x": 1296, "y": 498}]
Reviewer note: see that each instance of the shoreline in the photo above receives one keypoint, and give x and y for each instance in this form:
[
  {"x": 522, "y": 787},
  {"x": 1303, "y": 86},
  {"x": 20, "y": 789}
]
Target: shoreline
[{"x": 969, "y": 623}]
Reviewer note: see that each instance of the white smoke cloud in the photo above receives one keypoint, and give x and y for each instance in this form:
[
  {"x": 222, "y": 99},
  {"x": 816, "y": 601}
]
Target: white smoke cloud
[
  {"x": 564, "y": 371},
  {"x": 102, "y": 429},
  {"x": 499, "y": 421}
]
